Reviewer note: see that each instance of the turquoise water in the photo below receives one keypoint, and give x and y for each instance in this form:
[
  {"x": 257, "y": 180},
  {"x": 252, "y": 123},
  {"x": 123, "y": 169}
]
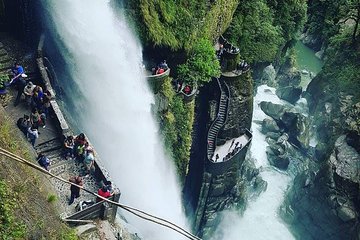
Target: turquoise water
[{"x": 306, "y": 59}]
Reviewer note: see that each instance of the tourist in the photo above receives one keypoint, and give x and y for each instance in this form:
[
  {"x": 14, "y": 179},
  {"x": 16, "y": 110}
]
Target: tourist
[
  {"x": 38, "y": 119},
  {"x": 46, "y": 103},
  {"x": 178, "y": 85},
  {"x": 43, "y": 161},
  {"x": 79, "y": 146},
  {"x": 104, "y": 192},
  {"x": 163, "y": 65},
  {"x": 69, "y": 147},
  {"x": 160, "y": 71},
  {"x": 187, "y": 89},
  {"x": 18, "y": 81},
  {"x": 24, "y": 124},
  {"x": 29, "y": 92},
  {"x": 33, "y": 134},
  {"x": 37, "y": 98},
  {"x": 89, "y": 160},
  {"x": 75, "y": 190},
  {"x": 216, "y": 157},
  {"x": 109, "y": 186}
]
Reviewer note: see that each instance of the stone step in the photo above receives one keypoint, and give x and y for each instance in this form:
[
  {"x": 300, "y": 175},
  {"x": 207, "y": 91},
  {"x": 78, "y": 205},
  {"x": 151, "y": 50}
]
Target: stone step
[{"x": 59, "y": 169}]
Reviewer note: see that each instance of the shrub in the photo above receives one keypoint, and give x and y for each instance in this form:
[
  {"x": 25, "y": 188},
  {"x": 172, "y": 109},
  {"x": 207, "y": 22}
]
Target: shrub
[{"x": 201, "y": 65}]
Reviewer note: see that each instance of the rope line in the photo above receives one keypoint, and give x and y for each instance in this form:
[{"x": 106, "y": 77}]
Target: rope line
[{"x": 135, "y": 211}]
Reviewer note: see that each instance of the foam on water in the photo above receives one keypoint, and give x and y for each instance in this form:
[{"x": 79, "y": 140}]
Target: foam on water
[{"x": 111, "y": 103}]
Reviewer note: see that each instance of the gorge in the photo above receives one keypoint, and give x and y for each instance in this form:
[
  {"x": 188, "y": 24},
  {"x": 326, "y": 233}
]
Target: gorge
[{"x": 295, "y": 176}]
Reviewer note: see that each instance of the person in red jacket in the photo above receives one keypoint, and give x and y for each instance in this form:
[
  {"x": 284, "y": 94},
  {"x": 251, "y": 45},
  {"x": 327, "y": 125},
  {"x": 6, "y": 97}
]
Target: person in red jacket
[{"x": 104, "y": 192}]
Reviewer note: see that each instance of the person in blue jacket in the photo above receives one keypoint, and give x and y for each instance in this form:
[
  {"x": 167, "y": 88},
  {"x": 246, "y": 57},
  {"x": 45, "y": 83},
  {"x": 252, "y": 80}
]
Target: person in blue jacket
[{"x": 18, "y": 81}]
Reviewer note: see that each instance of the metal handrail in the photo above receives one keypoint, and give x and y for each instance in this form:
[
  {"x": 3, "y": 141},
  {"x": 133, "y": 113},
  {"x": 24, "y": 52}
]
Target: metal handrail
[{"x": 218, "y": 117}]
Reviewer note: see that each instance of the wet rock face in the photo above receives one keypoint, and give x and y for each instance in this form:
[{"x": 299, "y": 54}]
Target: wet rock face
[
  {"x": 289, "y": 93},
  {"x": 269, "y": 75},
  {"x": 281, "y": 161},
  {"x": 269, "y": 125},
  {"x": 240, "y": 108},
  {"x": 289, "y": 78},
  {"x": 294, "y": 123},
  {"x": 324, "y": 204}
]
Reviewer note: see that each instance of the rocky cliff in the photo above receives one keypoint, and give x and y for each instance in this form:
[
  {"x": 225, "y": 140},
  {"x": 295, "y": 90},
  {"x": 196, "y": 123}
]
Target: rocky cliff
[{"x": 323, "y": 203}]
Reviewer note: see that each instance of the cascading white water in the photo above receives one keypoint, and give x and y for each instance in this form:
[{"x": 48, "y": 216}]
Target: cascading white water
[
  {"x": 260, "y": 220},
  {"x": 111, "y": 103}
]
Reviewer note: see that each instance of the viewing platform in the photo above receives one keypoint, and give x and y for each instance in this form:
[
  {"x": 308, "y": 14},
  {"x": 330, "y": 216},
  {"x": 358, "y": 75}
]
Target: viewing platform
[
  {"x": 188, "y": 96},
  {"x": 156, "y": 80},
  {"x": 51, "y": 144},
  {"x": 231, "y": 147}
]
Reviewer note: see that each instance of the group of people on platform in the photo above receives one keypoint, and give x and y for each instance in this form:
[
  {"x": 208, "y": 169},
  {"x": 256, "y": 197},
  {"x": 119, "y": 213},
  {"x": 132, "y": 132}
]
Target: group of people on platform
[
  {"x": 180, "y": 87},
  {"x": 231, "y": 152},
  {"x": 160, "y": 68},
  {"x": 106, "y": 190},
  {"x": 76, "y": 147},
  {"x": 36, "y": 99},
  {"x": 226, "y": 47}
]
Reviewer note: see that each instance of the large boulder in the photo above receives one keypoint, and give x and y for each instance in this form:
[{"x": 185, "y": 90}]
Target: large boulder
[
  {"x": 273, "y": 110},
  {"x": 297, "y": 126},
  {"x": 269, "y": 125},
  {"x": 289, "y": 78},
  {"x": 269, "y": 75},
  {"x": 322, "y": 203},
  {"x": 294, "y": 123},
  {"x": 279, "y": 161},
  {"x": 289, "y": 93}
]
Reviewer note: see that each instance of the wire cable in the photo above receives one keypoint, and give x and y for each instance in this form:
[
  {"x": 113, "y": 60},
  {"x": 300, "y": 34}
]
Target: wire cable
[{"x": 139, "y": 213}]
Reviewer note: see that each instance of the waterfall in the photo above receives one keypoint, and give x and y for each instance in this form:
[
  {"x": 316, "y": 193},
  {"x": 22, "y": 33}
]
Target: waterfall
[
  {"x": 108, "y": 98},
  {"x": 261, "y": 219}
]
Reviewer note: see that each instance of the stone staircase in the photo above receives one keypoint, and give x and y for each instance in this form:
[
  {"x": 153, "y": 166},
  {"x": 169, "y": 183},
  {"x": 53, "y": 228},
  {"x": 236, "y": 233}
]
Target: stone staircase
[{"x": 220, "y": 118}]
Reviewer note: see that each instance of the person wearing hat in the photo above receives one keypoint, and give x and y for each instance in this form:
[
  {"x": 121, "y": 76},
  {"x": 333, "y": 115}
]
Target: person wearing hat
[
  {"x": 89, "y": 160},
  {"x": 18, "y": 81},
  {"x": 29, "y": 92}
]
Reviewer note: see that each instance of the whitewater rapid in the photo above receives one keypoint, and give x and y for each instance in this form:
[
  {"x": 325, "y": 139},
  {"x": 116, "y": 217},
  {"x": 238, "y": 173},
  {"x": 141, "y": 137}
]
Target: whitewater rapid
[
  {"x": 108, "y": 98},
  {"x": 261, "y": 220}
]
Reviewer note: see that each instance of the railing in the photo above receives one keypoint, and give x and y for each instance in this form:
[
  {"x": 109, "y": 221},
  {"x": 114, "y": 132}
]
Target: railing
[
  {"x": 220, "y": 118},
  {"x": 228, "y": 47},
  {"x": 159, "y": 76},
  {"x": 188, "y": 97}
]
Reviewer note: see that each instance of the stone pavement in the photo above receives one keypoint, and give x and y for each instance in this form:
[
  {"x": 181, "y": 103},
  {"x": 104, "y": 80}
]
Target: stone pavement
[{"x": 49, "y": 143}]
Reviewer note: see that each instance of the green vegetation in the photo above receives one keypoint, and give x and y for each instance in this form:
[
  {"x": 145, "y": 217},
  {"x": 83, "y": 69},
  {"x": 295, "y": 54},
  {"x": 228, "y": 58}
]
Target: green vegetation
[
  {"x": 341, "y": 70},
  {"x": 201, "y": 66},
  {"x": 179, "y": 24},
  {"x": 176, "y": 127},
  {"x": 3, "y": 79},
  {"x": 254, "y": 33},
  {"x": 24, "y": 210},
  {"x": 9, "y": 227},
  {"x": 327, "y": 18},
  {"x": 51, "y": 198},
  {"x": 261, "y": 28}
]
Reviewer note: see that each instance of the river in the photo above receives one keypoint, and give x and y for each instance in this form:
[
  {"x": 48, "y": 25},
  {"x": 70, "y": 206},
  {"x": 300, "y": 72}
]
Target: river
[
  {"x": 261, "y": 220},
  {"x": 106, "y": 96}
]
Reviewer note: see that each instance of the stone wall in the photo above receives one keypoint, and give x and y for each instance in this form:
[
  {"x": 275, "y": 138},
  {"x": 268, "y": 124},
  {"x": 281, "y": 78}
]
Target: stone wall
[
  {"x": 240, "y": 107},
  {"x": 323, "y": 203}
]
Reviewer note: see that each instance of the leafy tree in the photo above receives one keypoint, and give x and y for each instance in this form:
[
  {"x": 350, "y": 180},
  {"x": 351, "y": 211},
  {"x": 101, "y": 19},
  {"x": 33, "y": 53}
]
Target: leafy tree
[
  {"x": 351, "y": 11},
  {"x": 253, "y": 31},
  {"x": 201, "y": 65},
  {"x": 290, "y": 15}
]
